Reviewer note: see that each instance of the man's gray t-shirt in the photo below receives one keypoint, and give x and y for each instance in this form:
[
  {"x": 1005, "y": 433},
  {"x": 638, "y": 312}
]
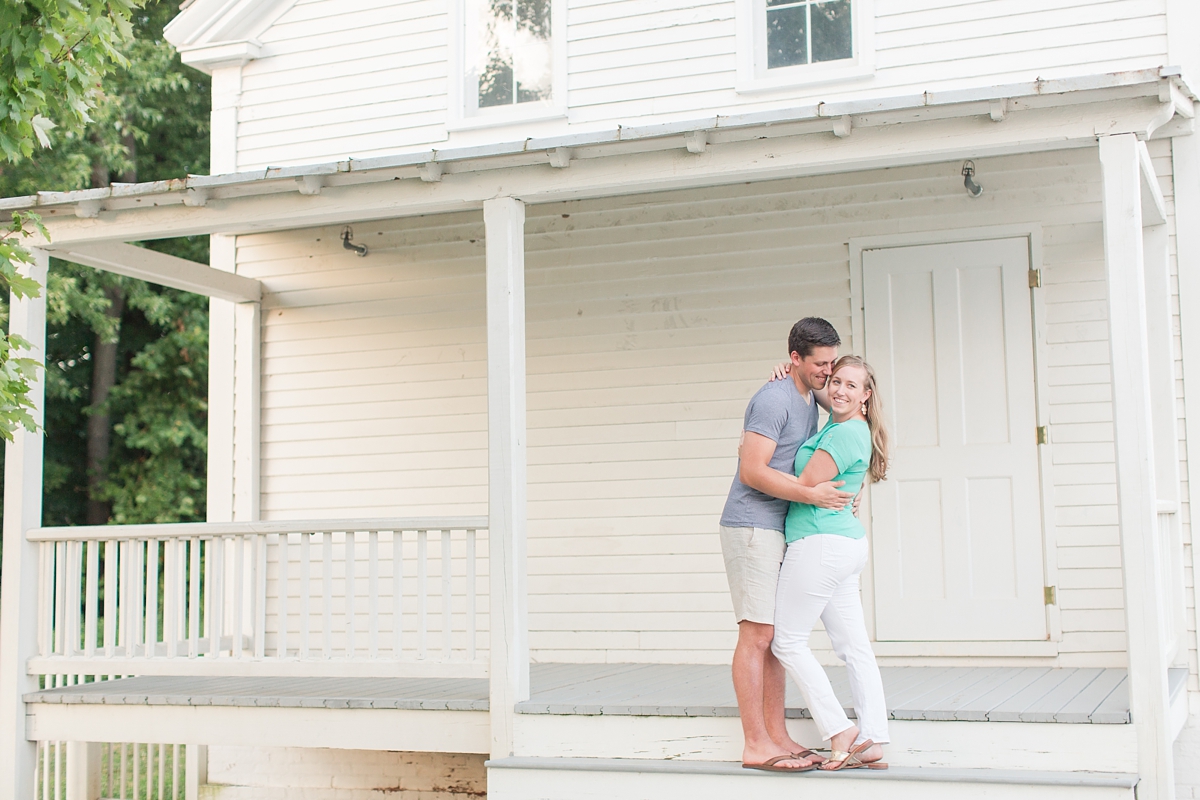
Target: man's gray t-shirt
[{"x": 779, "y": 412}]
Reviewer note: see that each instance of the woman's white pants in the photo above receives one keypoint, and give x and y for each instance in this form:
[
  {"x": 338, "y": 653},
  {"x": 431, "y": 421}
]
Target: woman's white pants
[{"x": 819, "y": 579}]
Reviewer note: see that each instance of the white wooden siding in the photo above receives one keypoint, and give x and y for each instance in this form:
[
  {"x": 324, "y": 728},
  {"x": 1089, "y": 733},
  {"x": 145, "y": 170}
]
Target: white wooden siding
[
  {"x": 362, "y": 78},
  {"x": 651, "y": 321}
]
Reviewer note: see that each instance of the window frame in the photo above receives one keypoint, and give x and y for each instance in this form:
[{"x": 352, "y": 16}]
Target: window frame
[
  {"x": 460, "y": 118},
  {"x": 753, "y": 75}
]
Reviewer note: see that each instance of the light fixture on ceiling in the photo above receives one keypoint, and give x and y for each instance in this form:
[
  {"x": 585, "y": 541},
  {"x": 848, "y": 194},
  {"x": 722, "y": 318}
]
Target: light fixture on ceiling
[{"x": 968, "y": 173}]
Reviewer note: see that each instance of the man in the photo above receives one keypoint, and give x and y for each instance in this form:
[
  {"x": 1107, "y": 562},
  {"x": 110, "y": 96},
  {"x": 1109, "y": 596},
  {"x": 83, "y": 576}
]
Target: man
[{"x": 781, "y": 416}]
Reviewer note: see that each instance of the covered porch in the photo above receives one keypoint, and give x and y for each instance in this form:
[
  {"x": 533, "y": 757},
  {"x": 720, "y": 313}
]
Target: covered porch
[{"x": 581, "y": 255}]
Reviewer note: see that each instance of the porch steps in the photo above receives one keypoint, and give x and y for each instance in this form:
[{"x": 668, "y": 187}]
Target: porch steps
[{"x": 633, "y": 779}]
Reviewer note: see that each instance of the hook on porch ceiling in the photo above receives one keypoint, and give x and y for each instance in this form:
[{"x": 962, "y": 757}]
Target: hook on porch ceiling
[{"x": 347, "y": 234}]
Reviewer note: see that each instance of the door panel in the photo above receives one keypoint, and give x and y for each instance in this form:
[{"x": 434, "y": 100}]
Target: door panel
[{"x": 956, "y": 528}]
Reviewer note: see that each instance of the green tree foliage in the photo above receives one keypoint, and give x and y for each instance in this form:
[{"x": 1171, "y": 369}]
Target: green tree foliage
[
  {"x": 149, "y": 122},
  {"x": 53, "y": 55}
]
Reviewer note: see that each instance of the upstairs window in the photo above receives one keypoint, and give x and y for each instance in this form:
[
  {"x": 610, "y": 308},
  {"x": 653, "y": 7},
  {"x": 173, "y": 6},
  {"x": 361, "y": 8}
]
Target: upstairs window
[
  {"x": 793, "y": 43},
  {"x": 511, "y": 58},
  {"x": 808, "y": 31}
]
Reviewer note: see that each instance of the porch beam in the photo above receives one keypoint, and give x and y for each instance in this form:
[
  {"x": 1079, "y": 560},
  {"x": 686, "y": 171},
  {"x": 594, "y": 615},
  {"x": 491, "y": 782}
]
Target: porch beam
[
  {"x": 782, "y": 150},
  {"x": 504, "y": 230},
  {"x": 1121, "y": 171},
  {"x": 19, "y": 598},
  {"x": 161, "y": 268}
]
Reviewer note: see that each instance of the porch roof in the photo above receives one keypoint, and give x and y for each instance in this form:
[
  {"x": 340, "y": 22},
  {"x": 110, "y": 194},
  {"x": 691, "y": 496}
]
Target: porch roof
[{"x": 217, "y": 203}]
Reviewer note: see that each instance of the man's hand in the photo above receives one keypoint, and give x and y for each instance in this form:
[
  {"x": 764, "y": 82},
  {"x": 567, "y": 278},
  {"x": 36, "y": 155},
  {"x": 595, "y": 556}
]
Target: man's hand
[{"x": 826, "y": 495}]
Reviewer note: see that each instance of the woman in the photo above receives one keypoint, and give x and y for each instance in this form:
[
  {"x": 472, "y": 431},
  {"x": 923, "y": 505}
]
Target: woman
[{"x": 826, "y": 552}]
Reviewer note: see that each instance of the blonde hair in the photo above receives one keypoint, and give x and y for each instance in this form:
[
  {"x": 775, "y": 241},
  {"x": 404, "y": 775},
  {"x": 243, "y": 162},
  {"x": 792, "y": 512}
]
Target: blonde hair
[{"x": 875, "y": 422}]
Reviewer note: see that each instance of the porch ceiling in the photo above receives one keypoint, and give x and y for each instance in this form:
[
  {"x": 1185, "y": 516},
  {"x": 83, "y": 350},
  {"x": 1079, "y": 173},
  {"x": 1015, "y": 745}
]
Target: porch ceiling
[{"x": 821, "y": 139}]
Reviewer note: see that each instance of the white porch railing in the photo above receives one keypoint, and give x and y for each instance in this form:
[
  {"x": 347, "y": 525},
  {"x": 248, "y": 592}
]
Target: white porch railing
[
  {"x": 1171, "y": 597},
  {"x": 335, "y": 598}
]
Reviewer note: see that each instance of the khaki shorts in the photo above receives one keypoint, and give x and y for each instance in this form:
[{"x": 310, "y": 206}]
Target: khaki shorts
[{"x": 752, "y": 560}]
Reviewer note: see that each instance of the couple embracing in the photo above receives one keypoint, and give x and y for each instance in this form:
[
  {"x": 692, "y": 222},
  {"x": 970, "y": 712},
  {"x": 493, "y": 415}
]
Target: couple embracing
[{"x": 794, "y": 549}]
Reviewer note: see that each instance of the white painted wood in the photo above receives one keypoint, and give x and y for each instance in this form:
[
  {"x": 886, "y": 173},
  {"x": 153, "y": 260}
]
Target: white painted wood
[
  {"x": 504, "y": 222},
  {"x": 343, "y": 729},
  {"x": 1136, "y": 480},
  {"x": 223, "y": 131},
  {"x": 748, "y": 154},
  {"x": 197, "y": 770},
  {"x": 595, "y": 779},
  {"x": 247, "y": 399},
  {"x": 221, "y": 355},
  {"x": 83, "y": 771},
  {"x": 1185, "y": 168},
  {"x": 956, "y": 528},
  {"x": 163, "y": 269},
  {"x": 22, "y": 511}
]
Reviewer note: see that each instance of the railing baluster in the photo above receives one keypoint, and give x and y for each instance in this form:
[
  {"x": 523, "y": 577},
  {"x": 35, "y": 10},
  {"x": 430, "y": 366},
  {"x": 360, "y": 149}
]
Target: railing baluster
[
  {"x": 447, "y": 594},
  {"x": 45, "y": 598},
  {"x": 282, "y": 641},
  {"x": 470, "y": 595},
  {"x": 215, "y": 614},
  {"x": 175, "y": 773},
  {"x": 124, "y": 769},
  {"x": 350, "y": 580},
  {"x": 111, "y": 593},
  {"x": 172, "y": 595},
  {"x": 373, "y": 593},
  {"x": 75, "y": 588},
  {"x": 397, "y": 593},
  {"x": 92, "y": 601},
  {"x": 152, "y": 595},
  {"x": 422, "y": 593},
  {"x": 125, "y": 611},
  {"x": 305, "y": 600},
  {"x": 238, "y": 629},
  {"x": 327, "y": 589},
  {"x": 60, "y": 598},
  {"x": 45, "y": 747},
  {"x": 260, "y": 596},
  {"x": 162, "y": 773},
  {"x": 193, "y": 601}
]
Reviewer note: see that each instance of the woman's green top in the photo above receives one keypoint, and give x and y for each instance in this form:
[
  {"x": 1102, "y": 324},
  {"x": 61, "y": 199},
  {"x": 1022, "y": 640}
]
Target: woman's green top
[{"x": 849, "y": 443}]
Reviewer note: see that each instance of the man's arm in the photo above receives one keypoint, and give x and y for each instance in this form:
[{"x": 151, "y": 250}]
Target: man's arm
[{"x": 756, "y": 472}]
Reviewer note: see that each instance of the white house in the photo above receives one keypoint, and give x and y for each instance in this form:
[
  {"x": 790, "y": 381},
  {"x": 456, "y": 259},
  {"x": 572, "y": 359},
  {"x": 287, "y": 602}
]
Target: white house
[{"x": 492, "y": 284}]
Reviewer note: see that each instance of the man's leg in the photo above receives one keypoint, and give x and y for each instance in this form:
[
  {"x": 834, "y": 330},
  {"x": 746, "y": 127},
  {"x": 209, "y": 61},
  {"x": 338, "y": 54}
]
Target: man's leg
[
  {"x": 754, "y": 643},
  {"x": 774, "y": 697}
]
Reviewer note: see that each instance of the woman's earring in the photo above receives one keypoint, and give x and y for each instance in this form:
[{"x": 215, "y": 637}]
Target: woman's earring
[{"x": 864, "y": 409}]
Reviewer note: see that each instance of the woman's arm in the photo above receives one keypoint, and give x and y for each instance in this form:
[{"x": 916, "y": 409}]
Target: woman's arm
[
  {"x": 755, "y": 471},
  {"x": 819, "y": 469}
]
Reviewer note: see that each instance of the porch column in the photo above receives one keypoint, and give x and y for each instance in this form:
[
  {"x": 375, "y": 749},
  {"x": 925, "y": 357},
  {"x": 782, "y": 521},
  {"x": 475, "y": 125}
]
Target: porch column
[
  {"x": 504, "y": 227},
  {"x": 1136, "y": 486},
  {"x": 22, "y": 511}
]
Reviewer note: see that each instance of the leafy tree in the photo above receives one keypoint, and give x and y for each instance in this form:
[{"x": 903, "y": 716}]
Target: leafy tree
[
  {"x": 53, "y": 55},
  {"x": 126, "y": 377}
]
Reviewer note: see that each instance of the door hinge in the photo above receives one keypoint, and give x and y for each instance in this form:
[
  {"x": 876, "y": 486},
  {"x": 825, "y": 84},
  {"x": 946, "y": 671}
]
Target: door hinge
[
  {"x": 1043, "y": 435},
  {"x": 1050, "y": 595},
  {"x": 1035, "y": 278}
]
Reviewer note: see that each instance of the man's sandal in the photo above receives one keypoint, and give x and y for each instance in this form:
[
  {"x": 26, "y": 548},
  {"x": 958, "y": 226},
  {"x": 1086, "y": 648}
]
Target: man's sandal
[
  {"x": 771, "y": 765},
  {"x": 806, "y": 753},
  {"x": 850, "y": 760}
]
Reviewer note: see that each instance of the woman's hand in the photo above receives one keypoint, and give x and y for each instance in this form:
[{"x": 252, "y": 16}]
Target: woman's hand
[{"x": 781, "y": 371}]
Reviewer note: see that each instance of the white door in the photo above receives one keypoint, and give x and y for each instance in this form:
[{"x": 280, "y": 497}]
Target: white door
[{"x": 956, "y": 527}]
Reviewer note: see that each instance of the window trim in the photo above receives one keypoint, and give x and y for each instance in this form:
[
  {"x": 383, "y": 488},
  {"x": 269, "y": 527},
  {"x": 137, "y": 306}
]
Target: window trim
[
  {"x": 457, "y": 117},
  {"x": 753, "y": 75}
]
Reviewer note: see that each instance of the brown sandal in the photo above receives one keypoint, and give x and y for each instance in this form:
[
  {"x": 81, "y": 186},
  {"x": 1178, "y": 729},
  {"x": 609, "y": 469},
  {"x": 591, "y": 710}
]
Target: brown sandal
[
  {"x": 850, "y": 760},
  {"x": 770, "y": 765}
]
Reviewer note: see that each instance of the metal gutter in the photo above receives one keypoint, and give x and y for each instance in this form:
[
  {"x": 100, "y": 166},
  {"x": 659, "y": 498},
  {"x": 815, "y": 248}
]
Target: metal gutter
[{"x": 838, "y": 118}]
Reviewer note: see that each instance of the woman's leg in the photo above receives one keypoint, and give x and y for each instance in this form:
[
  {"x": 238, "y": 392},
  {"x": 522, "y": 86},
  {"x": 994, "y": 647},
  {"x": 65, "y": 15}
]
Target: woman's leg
[
  {"x": 843, "y": 618},
  {"x": 806, "y": 584}
]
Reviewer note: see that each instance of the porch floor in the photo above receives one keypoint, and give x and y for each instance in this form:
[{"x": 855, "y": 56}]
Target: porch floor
[{"x": 995, "y": 694}]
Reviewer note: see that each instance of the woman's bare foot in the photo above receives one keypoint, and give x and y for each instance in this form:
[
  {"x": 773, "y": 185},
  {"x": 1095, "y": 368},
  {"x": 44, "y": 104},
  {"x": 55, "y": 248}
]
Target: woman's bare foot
[{"x": 844, "y": 742}]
